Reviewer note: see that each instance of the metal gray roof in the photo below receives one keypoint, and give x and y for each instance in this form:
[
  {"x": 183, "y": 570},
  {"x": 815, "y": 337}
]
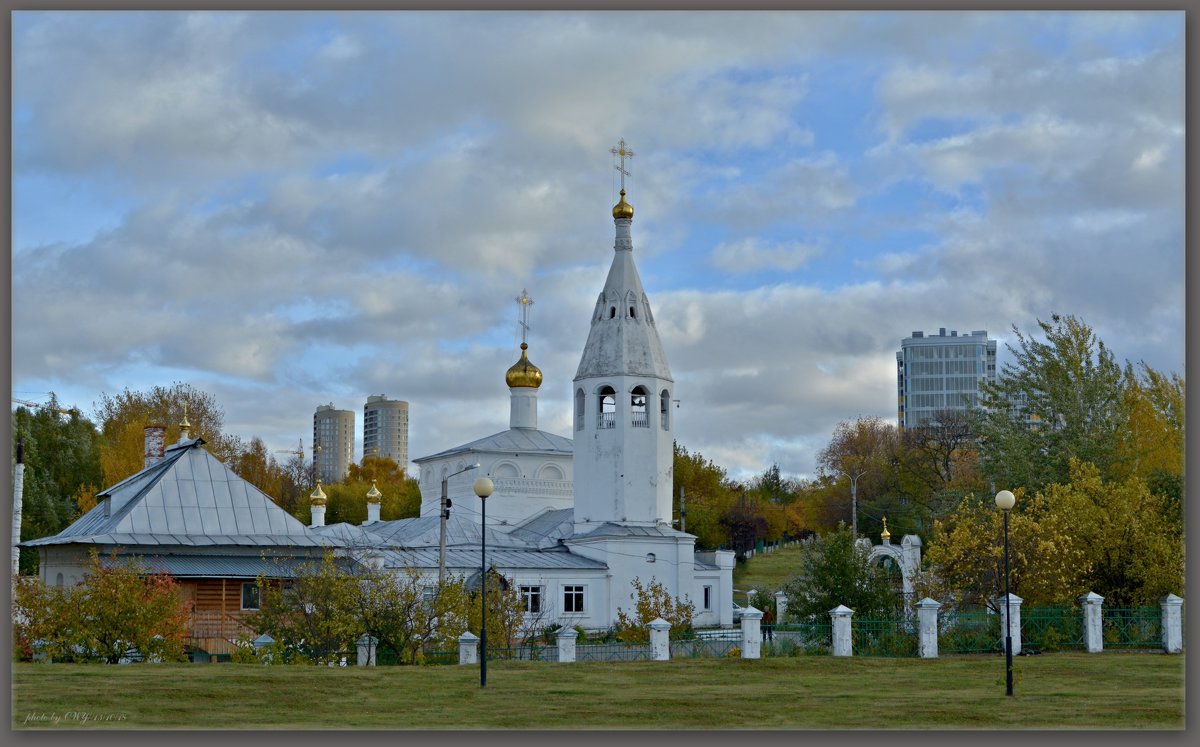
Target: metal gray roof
[
  {"x": 222, "y": 566},
  {"x": 547, "y": 528},
  {"x": 609, "y": 529},
  {"x": 466, "y": 560},
  {"x": 517, "y": 440},
  {"x": 187, "y": 498},
  {"x": 425, "y": 531}
]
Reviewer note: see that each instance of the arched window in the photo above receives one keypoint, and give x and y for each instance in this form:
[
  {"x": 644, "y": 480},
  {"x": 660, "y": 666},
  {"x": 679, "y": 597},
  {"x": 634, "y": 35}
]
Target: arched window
[
  {"x": 664, "y": 408},
  {"x": 612, "y": 312},
  {"x": 579, "y": 398},
  {"x": 607, "y": 415},
  {"x": 632, "y": 312},
  {"x": 58, "y": 580},
  {"x": 637, "y": 405}
]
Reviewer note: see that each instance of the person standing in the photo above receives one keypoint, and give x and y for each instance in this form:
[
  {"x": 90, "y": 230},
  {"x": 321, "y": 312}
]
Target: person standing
[{"x": 768, "y": 624}]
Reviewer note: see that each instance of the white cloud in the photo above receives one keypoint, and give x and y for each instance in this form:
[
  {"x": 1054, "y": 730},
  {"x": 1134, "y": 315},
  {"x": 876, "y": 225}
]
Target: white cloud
[{"x": 753, "y": 254}]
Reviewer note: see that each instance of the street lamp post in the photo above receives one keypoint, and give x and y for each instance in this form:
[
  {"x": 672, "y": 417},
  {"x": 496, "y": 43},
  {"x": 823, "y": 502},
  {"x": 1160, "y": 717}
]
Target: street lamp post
[
  {"x": 853, "y": 499},
  {"x": 483, "y": 488},
  {"x": 445, "y": 511},
  {"x": 1005, "y": 500}
]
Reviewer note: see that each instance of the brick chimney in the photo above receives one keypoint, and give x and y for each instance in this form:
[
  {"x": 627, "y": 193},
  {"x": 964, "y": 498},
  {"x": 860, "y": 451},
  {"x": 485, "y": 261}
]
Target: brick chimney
[{"x": 156, "y": 439}]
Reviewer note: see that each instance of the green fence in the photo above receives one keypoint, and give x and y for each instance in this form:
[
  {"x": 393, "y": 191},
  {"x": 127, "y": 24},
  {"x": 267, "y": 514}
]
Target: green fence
[
  {"x": 884, "y": 637},
  {"x": 705, "y": 648},
  {"x": 612, "y": 652},
  {"x": 1052, "y": 629},
  {"x": 969, "y": 633},
  {"x": 1132, "y": 628},
  {"x": 812, "y": 638}
]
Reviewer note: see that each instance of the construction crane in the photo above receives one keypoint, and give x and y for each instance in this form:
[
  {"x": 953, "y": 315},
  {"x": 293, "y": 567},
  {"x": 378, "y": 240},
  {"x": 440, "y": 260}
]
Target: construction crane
[
  {"x": 297, "y": 452},
  {"x": 45, "y": 406}
]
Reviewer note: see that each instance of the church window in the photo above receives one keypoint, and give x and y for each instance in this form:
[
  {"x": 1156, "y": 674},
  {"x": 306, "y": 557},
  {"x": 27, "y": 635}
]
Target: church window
[
  {"x": 612, "y": 312},
  {"x": 708, "y": 597},
  {"x": 572, "y": 599},
  {"x": 532, "y": 595},
  {"x": 632, "y": 312},
  {"x": 250, "y": 596},
  {"x": 579, "y": 398},
  {"x": 428, "y": 594},
  {"x": 651, "y": 557},
  {"x": 608, "y": 408},
  {"x": 58, "y": 580},
  {"x": 637, "y": 402},
  {"x": 664, "y": 409}
]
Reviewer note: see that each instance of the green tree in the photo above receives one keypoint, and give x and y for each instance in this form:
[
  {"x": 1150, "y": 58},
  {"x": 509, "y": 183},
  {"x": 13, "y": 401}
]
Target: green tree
[
  {"x": 652, "y": 601},
  {"x": 834, "y": 569},
  {"x": 312, "y": 616},
  {"x": 409, "y": 616},
  {"x": 505, "y": 614},
  {"x": 119, "y": 607},
  {"x": 62, "y": 471},
  {"x": 1061, "y": 399}
]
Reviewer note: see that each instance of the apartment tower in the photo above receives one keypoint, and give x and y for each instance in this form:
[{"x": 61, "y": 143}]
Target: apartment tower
[{"x": 942, "y": 372}]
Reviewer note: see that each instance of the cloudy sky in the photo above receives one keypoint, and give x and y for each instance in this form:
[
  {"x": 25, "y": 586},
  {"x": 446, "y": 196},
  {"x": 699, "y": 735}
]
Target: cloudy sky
[{"x": 291, "y": 209}]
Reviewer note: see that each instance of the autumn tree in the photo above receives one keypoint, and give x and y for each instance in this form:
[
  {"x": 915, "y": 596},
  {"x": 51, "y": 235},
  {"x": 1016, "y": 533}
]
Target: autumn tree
[
  {"x": 347, "y": 500},
  {"x": 936, "y": 464},
  {"x": 119, "y": 607},
  {"x": 505, "y": 613},
  {"x": 123, "y": 418},
  {"x": 707, "y": 497},
  {"x": 651, "y": 600},
  {"x": 1151, "y": 445},
  {"x": 860, "y": 456}
]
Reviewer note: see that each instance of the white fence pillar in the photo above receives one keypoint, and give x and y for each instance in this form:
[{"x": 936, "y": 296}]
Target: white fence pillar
[
  {"x": 751, "y": 633},
  {"x": 1014, "y": 602},
  {"x": 566, "y": 644},
  {"x": 780, "y": 606},
  {"x": 927, "y": 636},
  {"x": 1093, "y": 622},
  {"x": 843, "y": 640},
  {"x": 660, "y": 639},
  {"x": 1172, "y": 624},
  {"x": 468, "y": 648},
  {"x": 366, "y": 650}
]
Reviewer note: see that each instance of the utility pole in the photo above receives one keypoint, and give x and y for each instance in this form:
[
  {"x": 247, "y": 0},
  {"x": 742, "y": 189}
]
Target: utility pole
[
  {"x": 445, "y": 514},
  {"x": 18, "y": 494}
]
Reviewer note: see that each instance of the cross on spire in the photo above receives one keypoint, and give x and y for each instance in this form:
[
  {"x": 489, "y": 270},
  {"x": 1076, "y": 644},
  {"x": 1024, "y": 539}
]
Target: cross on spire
[
  {"x": 525, "y": 302},
  {"x": 622, "y": 151}
]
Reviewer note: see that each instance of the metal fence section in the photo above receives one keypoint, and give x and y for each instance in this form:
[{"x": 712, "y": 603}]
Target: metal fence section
[
  {"x": 798, "y": 639},
  {"x": 893, "y": 637},
  {"x": 1132, "y": 628},
  {"x": 969, "y": 633},
  {"x": 705, "y": 648},
  {"x": 1051, "y": 628},
  {"x": 612, "y": 652}
]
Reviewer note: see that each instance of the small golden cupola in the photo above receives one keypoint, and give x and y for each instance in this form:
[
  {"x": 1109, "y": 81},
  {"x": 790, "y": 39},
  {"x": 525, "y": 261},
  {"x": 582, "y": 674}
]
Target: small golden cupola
[
  {"x": 885, "y": 535},
  {"x": 623, "y": 209},
  {"x": 523, "y": 373},
  {"x": 318, "y": 497},
  {"x": 373, "y": 495}
]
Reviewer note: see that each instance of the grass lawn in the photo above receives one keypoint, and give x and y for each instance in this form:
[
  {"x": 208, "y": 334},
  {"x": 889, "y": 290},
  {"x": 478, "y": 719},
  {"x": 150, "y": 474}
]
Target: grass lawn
[
  {"x": 1053, "y": 691},
  {"x": 766, "y": 570}
]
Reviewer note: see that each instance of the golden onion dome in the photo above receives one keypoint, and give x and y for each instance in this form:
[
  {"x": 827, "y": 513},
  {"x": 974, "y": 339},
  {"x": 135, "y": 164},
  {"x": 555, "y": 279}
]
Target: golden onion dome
[
  {"x": 623, "y": 209},
  {"x": 523, "y": 373},
  {"x": 373, "y": 495},
  {"x": 885, "y": 535},
  {"x": 318, "y": 496}
]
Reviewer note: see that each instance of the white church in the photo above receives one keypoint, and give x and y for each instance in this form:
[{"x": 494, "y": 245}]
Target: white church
[{"x": 572, "y": 522}]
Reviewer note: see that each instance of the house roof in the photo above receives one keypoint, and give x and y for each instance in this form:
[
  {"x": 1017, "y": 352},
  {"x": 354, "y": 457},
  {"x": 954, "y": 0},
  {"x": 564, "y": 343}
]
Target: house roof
[
  {"x": 187, "y": 498},
  {"x": 223, "y": 566},
  {"x": 517, "y": 440}
]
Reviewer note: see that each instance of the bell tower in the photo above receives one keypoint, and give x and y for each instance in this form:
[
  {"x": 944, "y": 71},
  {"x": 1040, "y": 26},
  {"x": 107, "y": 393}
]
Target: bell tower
[{"x": 623, "y": 431}]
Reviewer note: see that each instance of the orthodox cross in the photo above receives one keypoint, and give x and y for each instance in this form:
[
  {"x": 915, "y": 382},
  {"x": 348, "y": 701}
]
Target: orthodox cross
[
  {"x": 525, "y": 301},
  {"x": 623, "y": 151}
]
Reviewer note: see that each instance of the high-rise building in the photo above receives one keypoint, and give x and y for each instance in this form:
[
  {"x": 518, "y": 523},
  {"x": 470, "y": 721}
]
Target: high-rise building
[
  {"x": 333, "y": 442},
  {"x": 385, "y": 429},
  {"x": 942, "y": 372}
]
